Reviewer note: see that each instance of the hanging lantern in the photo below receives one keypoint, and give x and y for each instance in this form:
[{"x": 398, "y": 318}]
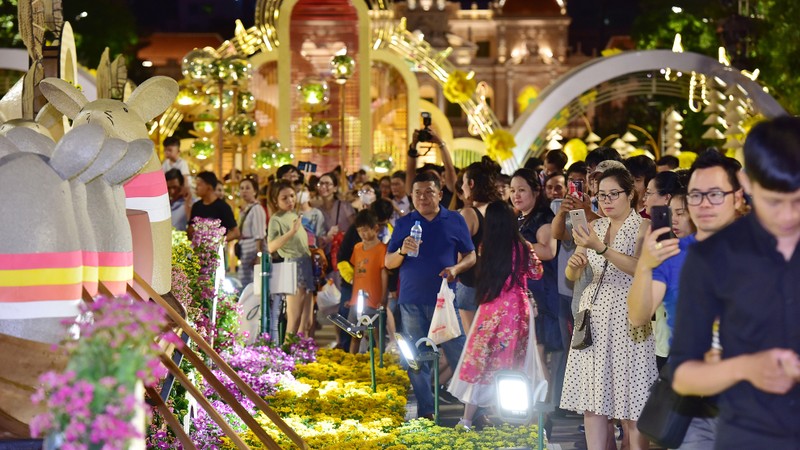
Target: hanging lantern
[
  {"x": 206, "y": 124},
  {"x": 242, "y": 127},
  {"x": 382, "y": 163},
  {"x": 320, "y": 133},
  {"x": 213, "y": 97},
  {"x": 187, "y": 99},
  {"x": 268, "y": 151},
  {"x": 202, "y": 149},
  {"x": 198, "y": 65},
  {"x": 246, "y": 102},
  {"x": 342, "y": 68},
  {"x": 283, "y": 158},
  {"x": 238, "y": 70},
  {"x": 314, "y": 94}
]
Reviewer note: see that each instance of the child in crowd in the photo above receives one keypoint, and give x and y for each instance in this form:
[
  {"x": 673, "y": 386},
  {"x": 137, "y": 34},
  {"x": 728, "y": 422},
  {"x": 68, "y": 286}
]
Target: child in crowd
[{"x": 370, "y": 275}]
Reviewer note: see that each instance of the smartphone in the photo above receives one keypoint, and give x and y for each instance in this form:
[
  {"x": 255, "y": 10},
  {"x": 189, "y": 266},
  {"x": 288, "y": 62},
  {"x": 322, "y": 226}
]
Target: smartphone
[
  {"x": 661, "y": 217},
  {"x": 306, "y": 166},
  {"x": 576, "y": 188},
  {"x": 578, "y": 218}
]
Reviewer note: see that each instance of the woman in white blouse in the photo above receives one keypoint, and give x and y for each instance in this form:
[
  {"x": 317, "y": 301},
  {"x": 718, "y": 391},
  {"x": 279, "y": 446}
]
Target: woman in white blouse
[{"x": 253, "y": 226}]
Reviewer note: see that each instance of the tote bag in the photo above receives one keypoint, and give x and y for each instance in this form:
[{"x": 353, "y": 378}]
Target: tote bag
[{"x": 444, "y": 323}]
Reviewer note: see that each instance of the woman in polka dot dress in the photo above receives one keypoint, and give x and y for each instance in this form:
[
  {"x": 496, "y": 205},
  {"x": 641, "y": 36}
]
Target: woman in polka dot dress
[{"x": 610, "y": 378}]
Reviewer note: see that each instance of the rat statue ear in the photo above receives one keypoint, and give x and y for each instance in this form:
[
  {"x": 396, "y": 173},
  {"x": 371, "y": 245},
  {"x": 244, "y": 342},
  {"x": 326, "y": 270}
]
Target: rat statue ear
[
  {"x": 31, "y": 141},
  {"x": 77, "y": 150},
  {"x": 136, "y": 156},
  {"x": 110, "y": 153},
  {"x": 7, "y": 147},
  {"x": 153, "y": 97},
  {"x": 64, "y": 96}
]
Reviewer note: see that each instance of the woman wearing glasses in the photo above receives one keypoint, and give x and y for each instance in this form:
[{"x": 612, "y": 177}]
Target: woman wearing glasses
[
  {"x": 611, "y": 377},
  {"x": 338, "y": 214}
]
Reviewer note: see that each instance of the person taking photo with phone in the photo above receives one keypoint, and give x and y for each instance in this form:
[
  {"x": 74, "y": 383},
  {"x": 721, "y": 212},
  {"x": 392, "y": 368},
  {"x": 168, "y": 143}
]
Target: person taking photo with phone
[
  {"x": 657, "y": 280},
  {"x": 609, "y": 376},
  {"x": 746, "y": 275}
]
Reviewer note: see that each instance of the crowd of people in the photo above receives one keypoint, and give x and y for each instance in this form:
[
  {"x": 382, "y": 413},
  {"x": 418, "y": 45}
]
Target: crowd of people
[{"x": 710, "y": 298}]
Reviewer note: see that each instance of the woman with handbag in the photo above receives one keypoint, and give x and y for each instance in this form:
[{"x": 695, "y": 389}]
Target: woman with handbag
[
  {"x": 612, "y": 363},
  {"x": 501, "y": 337},
  {"x": 253, "y": 226},
  {"x": 283, "y": 238}
]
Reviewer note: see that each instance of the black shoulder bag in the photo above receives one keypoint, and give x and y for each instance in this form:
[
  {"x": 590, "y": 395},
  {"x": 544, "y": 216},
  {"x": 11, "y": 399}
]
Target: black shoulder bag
[
  {"x": 666, "y": 415},
  {"x": 582, "y": 335}
]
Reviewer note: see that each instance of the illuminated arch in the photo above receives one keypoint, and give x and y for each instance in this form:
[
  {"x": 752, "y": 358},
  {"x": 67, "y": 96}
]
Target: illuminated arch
[{"x": 532, "y": 124}]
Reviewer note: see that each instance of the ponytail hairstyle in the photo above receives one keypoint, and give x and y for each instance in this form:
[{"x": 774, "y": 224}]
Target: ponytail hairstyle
[
  {"x": 504, "y": 252},
  {"x": 483, "y": 175}
]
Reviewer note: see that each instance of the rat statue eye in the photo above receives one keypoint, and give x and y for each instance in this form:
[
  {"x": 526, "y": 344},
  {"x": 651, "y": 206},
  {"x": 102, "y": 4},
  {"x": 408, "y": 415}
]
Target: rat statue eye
[{"x": 125, "y": 109}]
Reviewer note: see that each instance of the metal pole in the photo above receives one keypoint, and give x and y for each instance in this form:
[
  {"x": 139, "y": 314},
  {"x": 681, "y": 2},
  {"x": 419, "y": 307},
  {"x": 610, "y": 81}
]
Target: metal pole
[
  {"x": 381, "y": 333},
  {"x": 370, "y": 331},
  {"x": 265, "y": 306},
  {"x": 281, "y": 322},
  {"x": 220, "y": 131},
  {"x": 436, "y": 390}
]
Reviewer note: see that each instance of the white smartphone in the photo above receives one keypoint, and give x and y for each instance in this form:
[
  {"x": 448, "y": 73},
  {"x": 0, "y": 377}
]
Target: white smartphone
[{"x": 578, "y": 218}]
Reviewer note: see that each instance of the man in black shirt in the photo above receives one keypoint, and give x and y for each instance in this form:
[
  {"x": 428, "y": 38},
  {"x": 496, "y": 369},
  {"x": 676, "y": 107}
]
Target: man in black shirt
[
  {"x": 748, "y": 275},
  {"x": 212, "y": 207}
]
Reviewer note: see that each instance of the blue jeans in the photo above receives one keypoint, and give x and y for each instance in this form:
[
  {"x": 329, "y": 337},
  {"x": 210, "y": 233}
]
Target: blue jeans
[
  {"x": 416, "y": 322},
  {"x": 347, "y": 292}
]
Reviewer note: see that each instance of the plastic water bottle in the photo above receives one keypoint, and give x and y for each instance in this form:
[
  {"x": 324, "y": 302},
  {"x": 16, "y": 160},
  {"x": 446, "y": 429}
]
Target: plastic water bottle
[{"x": 416, "y": 234}]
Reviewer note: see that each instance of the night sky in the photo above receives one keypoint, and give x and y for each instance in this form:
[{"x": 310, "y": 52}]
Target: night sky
[{"x": 593, "y": 21}]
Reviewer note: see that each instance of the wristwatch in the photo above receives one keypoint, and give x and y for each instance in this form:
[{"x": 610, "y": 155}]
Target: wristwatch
[
  {"x": 412, "y": 151},
  {"x": 400, "y": 252}
]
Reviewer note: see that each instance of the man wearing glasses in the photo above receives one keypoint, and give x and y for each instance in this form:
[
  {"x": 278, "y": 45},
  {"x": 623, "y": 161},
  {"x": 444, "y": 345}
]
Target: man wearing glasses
[
  {"x": 714, "y": 195},
  {"x": 445, "y": 237},
  {"x": 748, "y": 275}
]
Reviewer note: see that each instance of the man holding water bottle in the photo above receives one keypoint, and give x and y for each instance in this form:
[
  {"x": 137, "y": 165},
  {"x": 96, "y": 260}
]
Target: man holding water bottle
[{"x": 445, "y": 237}]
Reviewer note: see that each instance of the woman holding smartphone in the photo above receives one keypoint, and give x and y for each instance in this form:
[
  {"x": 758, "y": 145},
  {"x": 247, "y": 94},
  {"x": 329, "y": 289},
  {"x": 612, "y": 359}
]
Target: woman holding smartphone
[{"x": 610, "y": 378}]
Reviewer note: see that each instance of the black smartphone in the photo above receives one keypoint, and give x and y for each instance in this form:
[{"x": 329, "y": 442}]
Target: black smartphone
[{"x": 660, "y": 217}]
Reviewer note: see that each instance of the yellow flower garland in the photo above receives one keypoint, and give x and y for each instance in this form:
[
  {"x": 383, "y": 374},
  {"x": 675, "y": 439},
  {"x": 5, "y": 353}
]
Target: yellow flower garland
[
  {"x": 459, "y": 86},
  {"x": 499, "y": 145}
]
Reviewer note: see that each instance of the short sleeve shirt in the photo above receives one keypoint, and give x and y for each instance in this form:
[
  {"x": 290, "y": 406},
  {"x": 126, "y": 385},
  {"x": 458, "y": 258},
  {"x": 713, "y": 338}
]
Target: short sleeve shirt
[
  {"x": 443, "y": 238},
  {"x": 367, "y": 268},
  {"x": 218, "y": 209},
  {"x": 280, "y": 224},
  {"x": 669, "y": 273}
]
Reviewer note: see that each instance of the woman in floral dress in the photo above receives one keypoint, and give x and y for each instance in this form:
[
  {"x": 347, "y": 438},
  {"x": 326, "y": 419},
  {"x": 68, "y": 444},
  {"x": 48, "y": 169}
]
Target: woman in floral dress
[{"x": 502, "y": 335}]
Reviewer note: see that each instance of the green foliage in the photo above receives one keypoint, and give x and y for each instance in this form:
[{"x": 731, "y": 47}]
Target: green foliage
[
  {"x": 773, "y": 47},
  {"x": 9, "y": 32},
  {"x": 108, "y": 23}
]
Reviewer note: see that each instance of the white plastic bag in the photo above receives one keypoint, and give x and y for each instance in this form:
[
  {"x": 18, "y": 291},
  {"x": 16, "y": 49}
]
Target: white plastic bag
[
  {"x": 328, "y": 298},
  {"x": 444, "y": 324}
]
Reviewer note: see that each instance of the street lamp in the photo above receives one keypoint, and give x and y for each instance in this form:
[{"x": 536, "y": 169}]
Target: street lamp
[
  {"x": 517, "y": 399},
  {"x": 356, "y": 330},
  {"x": 415, "y": 359}
]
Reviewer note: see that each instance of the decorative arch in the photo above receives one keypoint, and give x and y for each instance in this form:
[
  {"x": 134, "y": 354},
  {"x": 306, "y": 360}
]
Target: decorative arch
[
  {"x": 412, "y": 86},
  {"x": 532, "y": 124},
  {"x": 467, "y": 150},
  {"x": 362, "y": 66}
]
